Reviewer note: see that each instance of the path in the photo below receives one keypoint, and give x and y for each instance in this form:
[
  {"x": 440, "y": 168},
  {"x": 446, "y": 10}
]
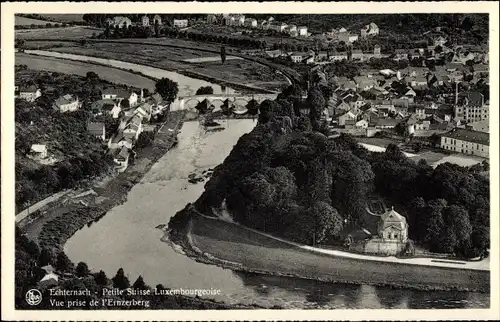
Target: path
[
  {"x": 483, "y": 265},
  {"x": 31, "y": 209}
]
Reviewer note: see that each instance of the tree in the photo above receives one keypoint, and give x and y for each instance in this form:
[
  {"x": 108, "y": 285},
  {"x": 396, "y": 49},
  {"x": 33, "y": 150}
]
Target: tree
[
  {"x": 168, "y": 89},
  {"x": 46, "y": 257},
  {"x": 63, "y": 263},
  {"x": 101, "y": 278},
  {"x": 327, "y": 221},
  {"x": 92, "y": 76},
  {"x": 253, "y": 107},
  {"x": 120, "y": 280},
  {"x": 267, "y": 111},
  {"x": 223, "y": 54},
  {"x": 82, "y": 269},
  {"x": 205, "y": 90},
  {"x": 139, "y": 284},
  {"x": 20, "y": 43},
  {"x": 316, "y": 103}
]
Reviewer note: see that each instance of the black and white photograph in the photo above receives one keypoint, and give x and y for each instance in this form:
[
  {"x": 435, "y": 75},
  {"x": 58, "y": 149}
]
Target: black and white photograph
[{"x": 249, "y": 161}]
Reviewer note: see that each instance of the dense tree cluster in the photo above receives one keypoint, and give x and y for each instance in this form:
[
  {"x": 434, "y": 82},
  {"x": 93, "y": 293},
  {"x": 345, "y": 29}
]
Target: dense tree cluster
[{"x": 287, "y": 178}]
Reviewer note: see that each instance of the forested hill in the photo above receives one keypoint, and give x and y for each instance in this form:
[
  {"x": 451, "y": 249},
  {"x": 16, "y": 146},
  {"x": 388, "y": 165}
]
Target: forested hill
[
  {"x": 290, "y": 180},
  {"x": 397, "y": 23}
]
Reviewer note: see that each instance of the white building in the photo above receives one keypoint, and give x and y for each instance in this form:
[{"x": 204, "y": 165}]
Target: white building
[
  {"x": 145, "y": 21},
  {"x": 180, "y": 23},
  {"x": 250, "y": 23},
  {"x": 370, "y": 30},
  {"x": 30, "y": 93},
  {"x": 67, "y": 103},
  {"x": 157, "y": 19},
  {"x": 118, "y": 94},
  {"x": 39, "y": 151},
  {"x": 302, "y": 31},
  {"x": 467, "y": 142},
  {"x": 121, "y": 159},
  {"x": 120, "y": 22}
]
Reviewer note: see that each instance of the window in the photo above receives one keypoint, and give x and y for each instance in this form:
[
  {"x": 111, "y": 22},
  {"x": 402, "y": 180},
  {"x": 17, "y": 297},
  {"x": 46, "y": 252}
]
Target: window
[{"x": 396, "y": 236}]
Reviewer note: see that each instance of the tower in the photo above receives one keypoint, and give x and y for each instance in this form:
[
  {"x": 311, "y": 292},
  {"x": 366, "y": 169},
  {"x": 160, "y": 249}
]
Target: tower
[{"x": 376, "y": 51}]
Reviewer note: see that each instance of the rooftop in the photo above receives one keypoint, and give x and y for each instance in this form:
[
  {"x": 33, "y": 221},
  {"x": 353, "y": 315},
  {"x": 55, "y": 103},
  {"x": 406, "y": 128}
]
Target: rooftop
[{"x": 469, "y": 136}]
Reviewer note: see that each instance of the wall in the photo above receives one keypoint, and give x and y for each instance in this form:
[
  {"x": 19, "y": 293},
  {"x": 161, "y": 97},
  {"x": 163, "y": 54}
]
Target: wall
[{"x": 379, "y": 246}]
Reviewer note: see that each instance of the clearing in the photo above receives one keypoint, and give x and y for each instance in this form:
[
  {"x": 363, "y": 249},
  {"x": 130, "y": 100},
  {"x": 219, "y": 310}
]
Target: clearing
[
  {"x": 75, "y": 32},
  {"x": 257, "y": 252}
]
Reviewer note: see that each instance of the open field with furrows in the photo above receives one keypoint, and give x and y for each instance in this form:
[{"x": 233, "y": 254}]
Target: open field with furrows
[
  {"x": 22, "y": 21},
  {"x": 80, "y": 68},
  {"x": 239, "y": 71},
  {"x": 262, "y": 254},
  {"x": 76, "y": 32}
]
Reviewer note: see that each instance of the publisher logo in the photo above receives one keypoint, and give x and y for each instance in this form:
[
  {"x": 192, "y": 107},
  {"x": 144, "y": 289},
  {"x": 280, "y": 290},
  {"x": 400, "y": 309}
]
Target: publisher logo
[{"x": 33, "y": 297}]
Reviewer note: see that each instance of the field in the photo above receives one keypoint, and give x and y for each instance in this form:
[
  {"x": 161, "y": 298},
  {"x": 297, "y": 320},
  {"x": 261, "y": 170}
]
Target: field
[
  {"x": 81, "y": 68},
  {"x": 67, "y": 17},
  {"x": 237, "y": 70},
  {"x": 259, "y": 253},
  {"x": 76, "y": 32},
  {"x": 22, "y": 21}
]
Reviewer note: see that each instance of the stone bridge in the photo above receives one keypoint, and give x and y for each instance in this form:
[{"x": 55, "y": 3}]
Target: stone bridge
[{"x": 189, "y": 102}]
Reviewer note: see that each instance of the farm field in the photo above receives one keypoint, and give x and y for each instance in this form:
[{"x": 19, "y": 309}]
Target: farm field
[
  {"x": 22, "y": 21},
  {"x": 237, "y": 70},
  {"x": 80, "y": 68},
  {"x": 67, "y": 17},
  {"x": 75, "y": 32}
]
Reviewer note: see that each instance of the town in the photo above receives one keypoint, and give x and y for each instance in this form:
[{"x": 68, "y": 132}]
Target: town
[{"x": 350, "y": 141}]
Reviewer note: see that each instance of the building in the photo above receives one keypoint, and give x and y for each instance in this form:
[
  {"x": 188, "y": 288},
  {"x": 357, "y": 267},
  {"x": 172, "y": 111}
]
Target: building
[
  {"x": 299, "y": 57},
  {"x": 180, "y": 23},
  {"x": 121, "y": 159},
  {"x": 120, "y": 22},
  {"x": 278, "y": 26},
  {"x": 474, "y": 108},
  {"x": 119, "y": 94},
  {"x": 145, "y": 21},
  {"x": 250, "y": 23},
  {"x": 49, "y": 280},
  {"x": 369, "y": 30},
  {"x": 107, "y": 106},
  {"x": 157, "y": 20},
  {"x": 467, "y": 142},
  {"x": 391, "y": 236},
  {"x": 338, "y": 56},
  {"x": 302, "y": 31},
  {"x": 400, "y": 54},
  {"x": 291, "y": 30},
  {"x": 67, "y": 103},
  {"x": 38, "y": 151},
  {"x": 97, "y": 129},
  {"x": 145, "y": 111},
  {"x": 377, "y": 52},
  {"x": 440, "y": 41},
  {"x": 30, "y": 93},
  {"x": 212, "y": 19},
  {"x": 133, "y": 127}
]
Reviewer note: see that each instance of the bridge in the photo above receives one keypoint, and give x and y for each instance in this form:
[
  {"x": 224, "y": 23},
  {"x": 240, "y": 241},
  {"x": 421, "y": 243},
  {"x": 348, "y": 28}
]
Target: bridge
[{"x": 240, "y": 100}]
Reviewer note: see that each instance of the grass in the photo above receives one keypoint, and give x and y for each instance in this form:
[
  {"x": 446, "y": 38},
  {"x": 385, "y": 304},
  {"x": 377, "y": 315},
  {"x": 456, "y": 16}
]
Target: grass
[
  {"x": 259, "y": 253},
  {"x": 81, "y": 68},
  {"x": 238, "y": 71},
  {"x": 76, "y": 32},
  {"x": 22, "y": 21},
  {"x": 74, "y": 17}
]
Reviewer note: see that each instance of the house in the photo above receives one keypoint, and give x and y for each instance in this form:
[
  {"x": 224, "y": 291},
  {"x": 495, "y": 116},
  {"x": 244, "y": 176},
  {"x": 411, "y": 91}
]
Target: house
[
  {"x": 49, "y": 280},
  {"x": 480, "y": 69},
  {"x": 391, "y": 237},
  {"x": 120, "y": 22},
  {"x": 364, "y": 83},
  {"x": 157, "y": 20},
  {"x": 119, "y": 141},
  {"x": 180, "y": 23},
  {"x": 38, "y": 151},
  {"x": 419, "y": 81},
  {"x": 212, "y": 19},
  {"x": 48, "y": 269},
  {"x": 97, "y": 129},
  {"x": 250, "y": 23},
  {"x": 67, "y": 103},
  {"x": 386, "y": 123},
  {"x": 145, "y": 21},
  {"x": 338, "y": 56},
  {"x": 145, "y": 111},
  {"x": 440, "y": 41},
  {"x": 291, "y": 29},
  {"x": 120, "y": 95},
  {"x": 369, "y": 30},
  {"x": 357, "y": 55},
  {"x": 229, "y": 20},
  {"x": 400, "y": 54},
  {"x": 107, "y": 106},
  {"x": 273, "y": 53},
  {"x": 278, "y": 26},
  {"x": 466, "y": 141},
  {"x": 121, "y": 159},
  {"x": 30, "y": 93},
  {"x": 133, "y": 127},
  {"x": 302, "y": 31},
  {"x": 362, "y": 124},
  {"x": 350, "y": 115},
  {"x": 347, "y": 37},
  {"x": 298, "y": 57}
]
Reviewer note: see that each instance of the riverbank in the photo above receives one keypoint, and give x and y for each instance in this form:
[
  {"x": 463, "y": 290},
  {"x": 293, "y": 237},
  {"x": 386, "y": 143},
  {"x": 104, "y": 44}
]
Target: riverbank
[{"x": 230, "y": 246}]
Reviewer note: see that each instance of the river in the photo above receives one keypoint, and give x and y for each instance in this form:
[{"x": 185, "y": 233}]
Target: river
[{"x": 126, "y": 237}]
